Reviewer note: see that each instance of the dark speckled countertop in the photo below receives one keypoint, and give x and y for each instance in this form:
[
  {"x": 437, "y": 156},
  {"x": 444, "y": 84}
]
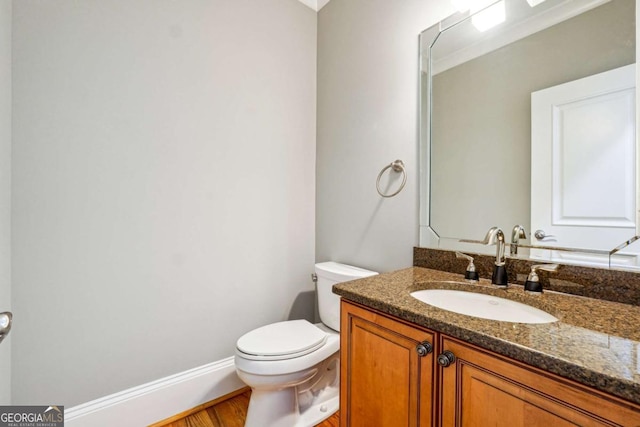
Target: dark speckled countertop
[{"x": 594, "y": 342}]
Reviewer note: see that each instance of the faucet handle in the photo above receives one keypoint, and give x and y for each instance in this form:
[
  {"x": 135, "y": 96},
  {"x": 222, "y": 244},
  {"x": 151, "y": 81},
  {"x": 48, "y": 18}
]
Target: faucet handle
[
  {"x": 545, "y": 267},
  {"x": 470, "y": 273},
  {"x": 533, "y": 281}
]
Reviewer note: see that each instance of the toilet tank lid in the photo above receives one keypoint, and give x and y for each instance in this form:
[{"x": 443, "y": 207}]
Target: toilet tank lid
[{"x": 341, "y": 272}]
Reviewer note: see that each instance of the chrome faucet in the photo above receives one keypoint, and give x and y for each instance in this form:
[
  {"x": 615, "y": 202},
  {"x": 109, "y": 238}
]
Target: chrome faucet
[
  {"x": 495, "y": 236},
  {"x": 517, "y": 234}
]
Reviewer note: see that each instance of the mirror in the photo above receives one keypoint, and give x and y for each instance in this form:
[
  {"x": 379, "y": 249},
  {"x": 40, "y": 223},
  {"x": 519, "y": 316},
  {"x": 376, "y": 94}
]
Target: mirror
[{"x": 477, "y": 92}]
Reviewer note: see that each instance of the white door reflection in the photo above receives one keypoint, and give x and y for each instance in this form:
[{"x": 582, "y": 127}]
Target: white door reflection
[{"x": 583, "y": 185}]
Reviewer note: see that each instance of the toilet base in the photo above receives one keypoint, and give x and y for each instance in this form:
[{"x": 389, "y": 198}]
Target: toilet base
[
  {"x": 275, "y": 410},
  {"x": 303, "y": 405},
  {"x": 319, "y": 412}
]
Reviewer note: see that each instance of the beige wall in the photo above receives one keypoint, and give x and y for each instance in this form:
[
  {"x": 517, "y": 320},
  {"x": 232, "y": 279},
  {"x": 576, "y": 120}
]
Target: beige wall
[
  {"x": 482, "y": 132},
  {"x": 368, "y": 117},
  {"x": 163, "y": 185},
  {"x": 5, "y": 192}
]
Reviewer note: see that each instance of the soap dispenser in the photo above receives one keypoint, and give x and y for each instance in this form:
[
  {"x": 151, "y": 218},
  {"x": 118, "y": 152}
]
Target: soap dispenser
[
  {"x": 533, "y": 281},
  {"x": 470, "y": 273}
]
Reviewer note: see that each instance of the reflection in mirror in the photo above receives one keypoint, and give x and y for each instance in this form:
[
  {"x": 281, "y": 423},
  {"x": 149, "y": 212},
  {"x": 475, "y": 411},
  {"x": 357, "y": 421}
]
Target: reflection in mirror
[{"x": 574, "y": 62}]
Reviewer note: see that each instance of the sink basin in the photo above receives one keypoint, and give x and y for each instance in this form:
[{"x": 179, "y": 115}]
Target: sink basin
[{"x": 483, "y": 306}]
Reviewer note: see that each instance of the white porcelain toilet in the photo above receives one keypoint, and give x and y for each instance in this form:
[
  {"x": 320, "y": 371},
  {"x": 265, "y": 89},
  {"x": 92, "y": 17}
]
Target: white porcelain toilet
[{"x": 292, "y": 367}]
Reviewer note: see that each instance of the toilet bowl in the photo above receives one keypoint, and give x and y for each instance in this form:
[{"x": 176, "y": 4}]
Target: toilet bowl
[{"x": 293, "y": 367}]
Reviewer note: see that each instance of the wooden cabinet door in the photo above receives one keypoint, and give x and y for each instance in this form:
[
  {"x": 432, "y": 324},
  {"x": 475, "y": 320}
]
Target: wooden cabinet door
[
  {"x": 384, "y": 380},
  {"x": 484, "y": 389}
]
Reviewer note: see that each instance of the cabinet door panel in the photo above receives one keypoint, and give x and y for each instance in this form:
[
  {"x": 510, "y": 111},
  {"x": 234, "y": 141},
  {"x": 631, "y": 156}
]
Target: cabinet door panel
[
  {"x": 483, "y": 389},
  {"x": 383, "y": 365},
  {"x": 384, "y": 380},
  {"x": 488, "y": 399}
]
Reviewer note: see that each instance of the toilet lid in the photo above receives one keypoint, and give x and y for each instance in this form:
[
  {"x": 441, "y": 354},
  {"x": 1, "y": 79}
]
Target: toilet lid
[{"x": 282, "y": 340}]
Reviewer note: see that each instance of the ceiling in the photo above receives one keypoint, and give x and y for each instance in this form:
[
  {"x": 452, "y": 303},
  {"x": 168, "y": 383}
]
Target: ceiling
[{"x": 314, "y": 4}]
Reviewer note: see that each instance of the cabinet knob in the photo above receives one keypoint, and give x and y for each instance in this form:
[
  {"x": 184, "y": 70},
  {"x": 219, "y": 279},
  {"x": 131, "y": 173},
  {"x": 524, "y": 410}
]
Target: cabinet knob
[
  {"x": 424, "y": 348},
  {"x": 446, "y": 358}
]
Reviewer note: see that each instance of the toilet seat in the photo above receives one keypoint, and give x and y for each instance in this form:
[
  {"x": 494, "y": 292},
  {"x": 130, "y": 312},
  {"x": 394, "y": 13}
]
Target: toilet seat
[
  {"x": 282, "y": 340},
  {"x": 289, "y": 365}
]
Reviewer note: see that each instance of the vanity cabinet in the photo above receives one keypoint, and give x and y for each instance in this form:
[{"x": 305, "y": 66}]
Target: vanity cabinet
[
  {"x": 387, "y": 371},
  {"x": 387, "y": 380},
  {"x": 481, "y": 388}
]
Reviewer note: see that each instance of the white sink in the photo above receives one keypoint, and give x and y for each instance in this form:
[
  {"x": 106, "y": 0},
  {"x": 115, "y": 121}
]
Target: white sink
[{"x": 483, "y": 306}]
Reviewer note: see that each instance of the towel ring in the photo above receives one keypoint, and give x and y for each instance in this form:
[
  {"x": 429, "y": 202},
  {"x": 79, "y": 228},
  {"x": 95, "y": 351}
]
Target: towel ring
[
  {"x": 5, "y": 324},
  {"x": 397, "y": 166}
]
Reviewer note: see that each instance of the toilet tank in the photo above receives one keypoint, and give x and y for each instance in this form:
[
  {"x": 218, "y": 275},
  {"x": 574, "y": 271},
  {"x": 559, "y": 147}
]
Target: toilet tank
[{"x": 330, "y": 273}]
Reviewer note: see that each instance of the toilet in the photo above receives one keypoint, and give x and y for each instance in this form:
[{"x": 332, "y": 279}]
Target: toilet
[{"x": 293, "y": 367}]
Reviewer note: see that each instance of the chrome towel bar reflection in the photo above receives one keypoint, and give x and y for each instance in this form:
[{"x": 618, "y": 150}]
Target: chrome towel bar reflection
[
  {"x": 5, "y": 324},
  {"x": 397, "y": 166}
]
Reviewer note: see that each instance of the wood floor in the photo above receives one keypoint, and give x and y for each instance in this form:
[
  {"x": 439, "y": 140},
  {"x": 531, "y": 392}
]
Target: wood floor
[{"x": 228, "y": 413}]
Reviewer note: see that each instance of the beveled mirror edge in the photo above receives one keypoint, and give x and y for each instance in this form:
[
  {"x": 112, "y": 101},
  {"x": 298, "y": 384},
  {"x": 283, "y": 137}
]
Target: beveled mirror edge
[
  {"x": 637, "y": 122},
  {"x": 427, "y": 235}
]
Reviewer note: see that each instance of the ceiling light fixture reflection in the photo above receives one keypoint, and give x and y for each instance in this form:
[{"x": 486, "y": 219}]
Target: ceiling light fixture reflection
[
  {"x": 487, "y": 17},
  {"x": 463, "y": 5},
  {"x": 534, "y": 3}
]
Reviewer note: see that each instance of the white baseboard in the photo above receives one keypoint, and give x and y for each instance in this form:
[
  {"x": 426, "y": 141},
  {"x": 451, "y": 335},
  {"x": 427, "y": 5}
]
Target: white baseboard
[{"x": 158, "y": 400}]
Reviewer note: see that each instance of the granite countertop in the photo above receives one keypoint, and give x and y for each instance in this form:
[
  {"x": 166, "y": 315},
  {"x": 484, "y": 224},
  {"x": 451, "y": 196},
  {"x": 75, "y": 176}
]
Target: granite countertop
[{"x": 594, "y": 342}]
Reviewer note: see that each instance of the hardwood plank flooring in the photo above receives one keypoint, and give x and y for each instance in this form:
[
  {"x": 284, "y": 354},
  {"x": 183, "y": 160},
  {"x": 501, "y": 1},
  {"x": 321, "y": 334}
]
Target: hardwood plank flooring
[{"x": 230, "y": 413}]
